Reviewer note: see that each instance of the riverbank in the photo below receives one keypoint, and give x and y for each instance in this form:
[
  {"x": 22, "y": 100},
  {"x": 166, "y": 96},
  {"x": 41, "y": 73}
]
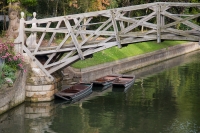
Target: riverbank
[
  {"x": 127, "y": 51},
  {"x": 131, "y": 63},
  {"x": 18, "y": 91}
]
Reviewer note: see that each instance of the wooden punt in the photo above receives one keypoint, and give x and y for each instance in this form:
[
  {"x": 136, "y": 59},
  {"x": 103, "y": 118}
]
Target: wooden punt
[
  {"x": 75, "y": 92},
  {"x": 124, "y": 81},
  {"x": 106, "y": 80}
]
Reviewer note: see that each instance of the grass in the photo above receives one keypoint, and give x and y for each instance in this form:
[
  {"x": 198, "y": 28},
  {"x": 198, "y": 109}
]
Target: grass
[{"x": 114, "y": 53}]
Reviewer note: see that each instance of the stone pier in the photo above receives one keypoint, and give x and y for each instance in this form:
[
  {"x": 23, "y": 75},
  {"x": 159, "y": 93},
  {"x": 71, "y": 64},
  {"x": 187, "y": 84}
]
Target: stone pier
[{"x": 38, "y": 87}]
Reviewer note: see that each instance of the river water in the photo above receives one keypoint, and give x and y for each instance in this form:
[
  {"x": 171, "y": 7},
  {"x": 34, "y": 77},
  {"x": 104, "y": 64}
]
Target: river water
[{"x": 164, "y": 99}]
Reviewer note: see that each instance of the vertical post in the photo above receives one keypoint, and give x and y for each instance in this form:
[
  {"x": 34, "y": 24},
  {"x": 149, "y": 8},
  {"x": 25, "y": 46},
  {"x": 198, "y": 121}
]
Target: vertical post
[
  {"x": 115, "y": 29},
  {"x": 31, "y": 40},
  {"x": 158, "y": 24},
  {"x": 162, "y": 20},
  {"x": 21, "y": 32},
  {"x": 20, "y": 38}
]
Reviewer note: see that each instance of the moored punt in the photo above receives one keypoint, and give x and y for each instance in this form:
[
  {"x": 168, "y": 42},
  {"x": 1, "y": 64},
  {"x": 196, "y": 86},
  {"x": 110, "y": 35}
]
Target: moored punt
[
  {"x": 124, "y": 81},
  {"x": 75, "y": 92},
  {"x": 106, "y": 80}
]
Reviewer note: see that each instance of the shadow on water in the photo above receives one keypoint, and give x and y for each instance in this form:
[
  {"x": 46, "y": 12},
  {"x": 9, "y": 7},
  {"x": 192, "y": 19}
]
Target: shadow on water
[
  {"x": 165, "y": 65},
  {"x": 157, "y": 102}
]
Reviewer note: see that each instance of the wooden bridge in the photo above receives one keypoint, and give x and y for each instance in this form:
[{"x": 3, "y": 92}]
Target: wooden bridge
[{"x": 86, "y": 33}]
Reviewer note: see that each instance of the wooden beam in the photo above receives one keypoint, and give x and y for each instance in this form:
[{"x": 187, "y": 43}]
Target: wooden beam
[
  {"x": 158, "y": 18},
  {"x": 134, "y": 25},
  {"x": 188, "y": 23},
  {"x": 96, "y": 31},
  {"x": 49, "y": 77},
  {"x": 115, "y": 28},
  {"x": 180, "y": 21},
  {"x": 71, "y": 32},
  {"x": 54, "y": 51},
  {"x": 179, "y": 32},
  {"x": 54, "y": 33},
  {"x": 41, "y": 39}
]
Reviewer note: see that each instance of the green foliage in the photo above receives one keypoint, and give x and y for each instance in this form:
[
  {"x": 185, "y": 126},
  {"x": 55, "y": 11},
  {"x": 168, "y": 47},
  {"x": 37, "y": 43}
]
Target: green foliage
[
  {"x": 12, "y": 62},
  {"x": 114, "y": 53},
  {"x": 9, "y": 72}
]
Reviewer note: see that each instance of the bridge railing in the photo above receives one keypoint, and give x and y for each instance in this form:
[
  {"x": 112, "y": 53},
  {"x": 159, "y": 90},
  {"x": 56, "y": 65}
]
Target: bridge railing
[{"x": 86, "y": 33}]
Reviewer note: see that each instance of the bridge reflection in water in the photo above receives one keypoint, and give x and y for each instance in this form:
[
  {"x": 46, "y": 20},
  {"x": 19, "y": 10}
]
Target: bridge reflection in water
[{"x": 132, "y": 111}]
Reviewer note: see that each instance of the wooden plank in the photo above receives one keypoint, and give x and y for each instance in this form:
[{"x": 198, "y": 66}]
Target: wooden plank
[
  {"x": 72, "y": 16},
  {"x": 96, "y": 31},
  {"x": 74, "y": 39},
  {"x": 158, "y": 19},
  {"x": 104, "y": 32},
  {"x": 60, "y": 61},
  {"x": 134, "y": 40},
  {"x": 173, "y": 37},
  {"x": 188, "y": 23},
  {"x": 179, "y": 32},
  {"x": 180, "y": 21},
  {"x": 182, "y": 4},
  {"x": 132, "y": 26},
  {"x": 115, "y": 29},
  {"x": 77, "y": 22},
  {"x": 20, "y": 39},
  {"x": 49, "y": 77},
  {"x": 135, "y": 7},
  {"x": 131, "y": 20},
  {"x": 54, "y": 33},
  {"x": 64, "y": 64},
  {"x": 108, "y": 45},
  {"x": 55, "y": 51},
  {"x": 41, "y": 39}
]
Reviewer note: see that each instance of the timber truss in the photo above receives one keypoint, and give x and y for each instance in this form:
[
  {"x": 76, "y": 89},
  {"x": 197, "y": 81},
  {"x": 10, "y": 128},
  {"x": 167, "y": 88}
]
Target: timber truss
[{"x": 86, "y": 33}]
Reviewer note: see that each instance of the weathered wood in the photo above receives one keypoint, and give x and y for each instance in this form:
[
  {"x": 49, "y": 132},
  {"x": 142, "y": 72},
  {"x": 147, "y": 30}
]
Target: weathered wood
[
  {"x": 42, "y": 38},
  {"x": 54, "y": 33},
  {"x": 132, "y": 26},
  {"x": 116, "y": 29},
  {"x": 180, "y": 21},
  {"x": 179, "y": 32},
  {"x": 188, "y": 23},
  {"x": 49, "y": 76},
  {"x": 131, "y": 20},
  {"x": 103, "y": 32},
  {"x": 55, "y": 51},
  {"x": 158, "y": 18},
  {"x": 74, "y": 39},
  {"x": 95, "y": 32},
  {"x": 21, "y": 38}
]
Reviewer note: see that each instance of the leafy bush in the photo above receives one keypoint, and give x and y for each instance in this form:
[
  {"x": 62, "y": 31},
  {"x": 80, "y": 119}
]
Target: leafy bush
[{"x": 12, "y": 62}]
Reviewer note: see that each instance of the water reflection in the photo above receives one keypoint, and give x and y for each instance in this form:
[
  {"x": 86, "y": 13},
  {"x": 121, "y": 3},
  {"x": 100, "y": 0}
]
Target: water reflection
[
  {"x": 39, "y": 116},
  {"x": 164, "y": 99}
]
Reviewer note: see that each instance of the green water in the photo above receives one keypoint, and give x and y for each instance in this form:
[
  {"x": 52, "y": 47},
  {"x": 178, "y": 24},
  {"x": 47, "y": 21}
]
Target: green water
[{"x": 164, "y": 99}]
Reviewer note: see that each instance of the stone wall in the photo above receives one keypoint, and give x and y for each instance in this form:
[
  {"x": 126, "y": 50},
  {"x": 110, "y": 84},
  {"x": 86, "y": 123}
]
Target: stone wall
[
  {"x": 13, "y": 96},
  {"x": 42, "y": 91},
  {"x": 38, "y": 86},
  {"x": 132, "y": 63}
]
